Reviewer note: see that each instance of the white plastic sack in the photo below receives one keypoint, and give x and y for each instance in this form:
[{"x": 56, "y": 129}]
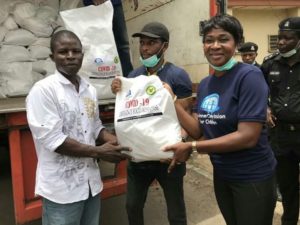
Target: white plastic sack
[
  {"x": 37, "y": 26},
  {"x": 54, "y": 4},
  {"x": 10, "y": 23},
  {"x": 11, "y": 53},
  {"x": 3, "y": 32},
  {"x": 23, "y": 11},
  {"x": 145, "y": 118},
  {"x": 16, "y": 79},
  {"x": 19, "y": 37},
  {"x": 39, "y": 52},
  {"x": 42, "y": 42},
  {"x": 3, "y": 13},
  {"x": 46, "y": 13},
  {"x": 44, "y": 67},
  {"x": 68, "y": 4},
  {"x": 93, "y": 25}
]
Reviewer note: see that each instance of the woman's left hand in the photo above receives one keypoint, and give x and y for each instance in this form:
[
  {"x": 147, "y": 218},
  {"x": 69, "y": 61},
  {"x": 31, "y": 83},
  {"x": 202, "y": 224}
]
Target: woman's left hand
[
  {"x": 182, "y": 152},
  {"x": 169, "y": 89}
]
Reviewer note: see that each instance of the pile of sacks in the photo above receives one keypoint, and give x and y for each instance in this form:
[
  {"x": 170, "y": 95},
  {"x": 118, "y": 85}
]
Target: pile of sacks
[{"x": 26, "y": 27}]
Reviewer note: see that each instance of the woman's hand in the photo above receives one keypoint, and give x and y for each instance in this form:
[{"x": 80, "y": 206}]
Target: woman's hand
[
  {"x": 116, "y": 85},
  {"x": 182, "y": 152},
  {"x": 167, "y": 86}
]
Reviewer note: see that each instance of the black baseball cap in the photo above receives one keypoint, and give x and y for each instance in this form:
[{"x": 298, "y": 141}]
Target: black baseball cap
[
  {"x": 154, "y": 30},
  {"x": 291, "y": 23}
]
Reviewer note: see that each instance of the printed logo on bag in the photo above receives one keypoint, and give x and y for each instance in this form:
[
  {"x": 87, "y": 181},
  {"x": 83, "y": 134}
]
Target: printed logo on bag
[
  {"x": 151, "y": 90},
  {"x": 116, "y": 60},
  {"x": 98, "y": 60},
  {"x": 128, "y": 95}
]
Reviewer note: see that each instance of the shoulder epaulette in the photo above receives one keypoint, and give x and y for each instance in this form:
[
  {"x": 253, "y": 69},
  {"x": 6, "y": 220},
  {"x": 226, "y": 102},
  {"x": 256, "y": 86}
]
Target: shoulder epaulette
[{"x": 271, "y": 56}]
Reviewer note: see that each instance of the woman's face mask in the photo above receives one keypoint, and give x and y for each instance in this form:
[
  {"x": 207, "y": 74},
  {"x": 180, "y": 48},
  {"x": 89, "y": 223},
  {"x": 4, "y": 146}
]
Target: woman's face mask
[
  {"x": 219, "y": 48},
  {"x": 227, "y": 66}
]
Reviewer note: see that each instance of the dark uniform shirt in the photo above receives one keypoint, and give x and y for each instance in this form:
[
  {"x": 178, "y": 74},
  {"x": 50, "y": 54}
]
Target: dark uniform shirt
[{"x": 284, "y": 83}]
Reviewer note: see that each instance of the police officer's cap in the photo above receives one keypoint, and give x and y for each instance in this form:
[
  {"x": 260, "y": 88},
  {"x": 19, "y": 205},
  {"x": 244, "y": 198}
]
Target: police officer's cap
[
  {"x": 248, "y": 47},
  {"x": 291, "y": 23}
]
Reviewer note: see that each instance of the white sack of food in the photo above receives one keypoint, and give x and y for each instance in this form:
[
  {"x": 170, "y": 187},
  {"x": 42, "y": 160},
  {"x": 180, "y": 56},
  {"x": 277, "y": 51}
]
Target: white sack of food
[
  {"x": 37, "y": 26},
  {"x": 19, "y": 37},
  {"x": 39, "y": 52},
  {"x": 3, "y": 13},
  {"x": 46, "y": 13},
  {"x": 10, "y": 23},
  {"x": 68, "y": 4},
  {"x": 12, "y": 53},
  {"x": 3, "y": 32},
  {"x": 16, "y": 78},
  {"x": 145, "y": 118},
  {"x": 25, "y": 15},
  {"x": 44, "y": 67},
  {"x": 54, "y": 4},
  {"x": 42, "y": 42},
  {"x": 23, "y": 11},
  {"x": 101, "y": 62}
]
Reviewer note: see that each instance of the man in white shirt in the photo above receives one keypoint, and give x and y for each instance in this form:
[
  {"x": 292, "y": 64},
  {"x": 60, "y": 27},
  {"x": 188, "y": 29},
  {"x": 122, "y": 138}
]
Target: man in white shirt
[{"x": 63, "y": 116}]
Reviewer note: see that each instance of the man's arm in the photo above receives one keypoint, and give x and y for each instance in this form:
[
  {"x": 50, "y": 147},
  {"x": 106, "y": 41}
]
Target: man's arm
[{"x": 109, "y": 151}]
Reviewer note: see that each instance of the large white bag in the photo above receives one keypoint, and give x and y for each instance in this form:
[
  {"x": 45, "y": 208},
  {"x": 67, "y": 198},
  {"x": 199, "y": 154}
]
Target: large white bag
[
  {"x": 145, "y": 118},
  {"x": 93, "y": 26}
]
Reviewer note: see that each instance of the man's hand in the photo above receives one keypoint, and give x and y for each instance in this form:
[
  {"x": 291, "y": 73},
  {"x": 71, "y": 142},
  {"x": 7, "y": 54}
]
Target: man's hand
[
  {"x": 182, "y": 152},
  {"x": 116, "y": 85},
  {"x": 270, "y": 118},
  {"x": 113, "y": 152},
  {"x": 98, "y": 2}
]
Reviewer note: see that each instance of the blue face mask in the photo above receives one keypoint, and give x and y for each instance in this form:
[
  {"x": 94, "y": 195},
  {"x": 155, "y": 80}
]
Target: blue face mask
[
  {"x": 153, "y": 60},
  {"x": 150, "y": 62},
  {"x": 226, "y": 66}
]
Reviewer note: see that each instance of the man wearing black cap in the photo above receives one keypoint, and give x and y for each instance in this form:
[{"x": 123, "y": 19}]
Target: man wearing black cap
[
  {"x": 154, "y": 41},
  {"x": 282, "y": 71},
  {"x": 248, "y": 52}
]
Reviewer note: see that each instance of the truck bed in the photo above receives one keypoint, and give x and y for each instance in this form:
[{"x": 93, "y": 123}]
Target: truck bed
[{"x": 9, "y": 105}]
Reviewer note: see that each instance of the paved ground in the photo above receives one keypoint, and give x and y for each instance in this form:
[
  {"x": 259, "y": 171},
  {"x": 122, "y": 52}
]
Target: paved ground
[{"x": 200, "y": 201}]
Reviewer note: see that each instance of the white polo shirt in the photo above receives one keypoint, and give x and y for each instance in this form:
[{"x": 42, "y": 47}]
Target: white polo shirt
[{"x": 55, "y": 111}]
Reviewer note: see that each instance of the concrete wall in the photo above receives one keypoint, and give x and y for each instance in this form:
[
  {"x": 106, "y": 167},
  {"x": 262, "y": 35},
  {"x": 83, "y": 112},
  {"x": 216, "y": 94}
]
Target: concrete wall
[
  {"x": 260, "y": 23},
  {"x": 182, "y": 19}
]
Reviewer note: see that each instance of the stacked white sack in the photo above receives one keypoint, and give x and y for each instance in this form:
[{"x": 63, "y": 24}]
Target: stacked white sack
[{"x": 26, "y": 27}]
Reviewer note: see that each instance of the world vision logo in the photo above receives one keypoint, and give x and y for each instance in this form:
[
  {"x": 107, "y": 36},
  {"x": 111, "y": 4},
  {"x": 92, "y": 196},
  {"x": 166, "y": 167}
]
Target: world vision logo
[{"x": 151, "y": 90}]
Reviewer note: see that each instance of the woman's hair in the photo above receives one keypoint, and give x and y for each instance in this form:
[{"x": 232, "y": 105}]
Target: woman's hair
[{"x": 227, "y": 23}]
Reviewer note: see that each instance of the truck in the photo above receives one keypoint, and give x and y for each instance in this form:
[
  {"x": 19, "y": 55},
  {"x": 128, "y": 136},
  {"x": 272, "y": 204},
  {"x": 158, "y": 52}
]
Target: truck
[{"x": 183, "y": 20}]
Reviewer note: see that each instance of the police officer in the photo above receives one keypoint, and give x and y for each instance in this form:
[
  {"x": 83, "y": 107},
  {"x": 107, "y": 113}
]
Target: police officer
[
  {"x": 248, "y": 52},
  {"x": 282, "y": 71}
]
